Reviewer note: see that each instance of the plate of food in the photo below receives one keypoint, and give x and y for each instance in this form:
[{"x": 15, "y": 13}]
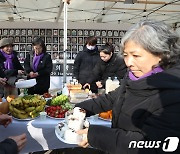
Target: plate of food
[
  {"x": 74, "y": 121},
  {"x": 105, "y": 115},
  {"x": 24, "y": 119}
]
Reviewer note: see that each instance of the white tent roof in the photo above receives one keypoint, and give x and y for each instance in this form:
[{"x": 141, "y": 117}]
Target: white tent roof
[{"x": 99, "y": 11}]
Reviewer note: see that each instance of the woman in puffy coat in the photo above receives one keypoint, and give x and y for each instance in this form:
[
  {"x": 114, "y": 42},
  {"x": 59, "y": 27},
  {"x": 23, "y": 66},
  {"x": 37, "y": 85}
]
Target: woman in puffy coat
[
  {"x": 146, "y": 106},
  {"x": 110, "y": 65},
  {"x": 85, "y": 61},
  {"x": 38, "y": 65}
]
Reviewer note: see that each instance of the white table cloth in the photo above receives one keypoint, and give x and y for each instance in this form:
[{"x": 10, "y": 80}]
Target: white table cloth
[{"x": 41, "y": 133}]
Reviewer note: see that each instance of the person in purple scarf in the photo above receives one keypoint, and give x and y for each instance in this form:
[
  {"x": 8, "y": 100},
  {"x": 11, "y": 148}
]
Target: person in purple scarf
[
  {"x": 38, "y": 65},
  {"x": 10, "y": 66},
  {"x": 146, "y": 106}
]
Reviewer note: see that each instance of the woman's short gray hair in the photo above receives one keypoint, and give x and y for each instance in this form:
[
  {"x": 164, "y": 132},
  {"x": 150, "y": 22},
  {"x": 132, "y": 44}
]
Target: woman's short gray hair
[{"x": 157, "y": 38}]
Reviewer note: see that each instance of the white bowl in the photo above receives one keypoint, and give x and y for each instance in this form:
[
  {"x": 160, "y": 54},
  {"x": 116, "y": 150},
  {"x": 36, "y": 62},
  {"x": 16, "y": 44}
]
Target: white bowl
[{"x": 25, "y": 83}]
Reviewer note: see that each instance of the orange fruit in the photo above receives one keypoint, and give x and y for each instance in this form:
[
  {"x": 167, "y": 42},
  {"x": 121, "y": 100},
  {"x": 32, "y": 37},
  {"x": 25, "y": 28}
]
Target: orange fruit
[
  {"x": 104, "y": 115},
  {"x": 10, "y": 98},
  {"x": 4, "y": 107}
]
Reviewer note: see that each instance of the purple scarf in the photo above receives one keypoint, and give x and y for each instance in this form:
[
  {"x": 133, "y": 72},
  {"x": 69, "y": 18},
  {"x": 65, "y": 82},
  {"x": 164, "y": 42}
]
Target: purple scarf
[
  {"x": 36, "y": 60},
  {"x": 154, "y": 71},
  {"x": 8, "y": 63}
]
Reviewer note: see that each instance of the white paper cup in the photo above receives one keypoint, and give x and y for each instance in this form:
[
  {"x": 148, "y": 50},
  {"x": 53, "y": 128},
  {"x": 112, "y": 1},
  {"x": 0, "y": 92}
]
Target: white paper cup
[{"x": 43, "y": 115}]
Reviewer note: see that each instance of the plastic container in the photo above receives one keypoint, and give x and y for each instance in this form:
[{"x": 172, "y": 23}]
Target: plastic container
[
  {"x": 108, "y": 84},
  {"x": 65, "y": 90}
]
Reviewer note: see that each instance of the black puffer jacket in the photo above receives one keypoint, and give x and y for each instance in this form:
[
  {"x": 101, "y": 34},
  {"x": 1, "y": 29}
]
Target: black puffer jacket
[
  {"x": 8, "y": 146},
  {"x": 147, "y": 109},
  {"x": 16, "y": 64},
  {"x": 83, "y": 65},
  {"x": 44, "y": 70},
  {"x": 115, "y": 67}
]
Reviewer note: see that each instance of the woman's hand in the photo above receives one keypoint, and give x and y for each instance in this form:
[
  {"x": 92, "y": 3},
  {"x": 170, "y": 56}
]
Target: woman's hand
[
  {"x": 20, "y": 140},
  {"x": 84, "y": 143},
  {"x": 3, "y": 81},
  {"x": 5, "y": 120},
  {"x": 99, "y": 84},
  {"x": 20, "y": 72},
  {"x": 33, "y": 75}
]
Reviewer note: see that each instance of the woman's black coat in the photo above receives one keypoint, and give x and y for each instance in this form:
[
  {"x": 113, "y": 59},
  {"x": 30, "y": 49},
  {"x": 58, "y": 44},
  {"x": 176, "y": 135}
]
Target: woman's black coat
[
  {"x": 8, "y": 146},
  {"x": 10, "y": 72},
  {"x": 147, "y": 109},
  {"x": 44, "y": 70},
  {"x": 115, "y": 67},
  {"x": 84, "y": 63}
]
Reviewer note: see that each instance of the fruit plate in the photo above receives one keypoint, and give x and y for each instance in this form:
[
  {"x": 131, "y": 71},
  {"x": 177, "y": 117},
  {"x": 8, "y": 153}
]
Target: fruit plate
[
  {"x": 104, "y": 119},
  {"x": 27, "y": 119},
  {"x": 55, "y": 118},
  {"x": 26, "y": 83},
  {"x": 59, "y": 133}
]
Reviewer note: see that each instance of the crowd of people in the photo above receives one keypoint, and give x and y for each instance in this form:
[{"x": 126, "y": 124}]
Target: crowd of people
[{"x": 146, "y": 105}]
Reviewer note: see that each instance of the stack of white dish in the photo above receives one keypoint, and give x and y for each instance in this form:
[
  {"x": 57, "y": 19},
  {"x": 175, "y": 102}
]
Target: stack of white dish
[{"x": 74, "y": 121}]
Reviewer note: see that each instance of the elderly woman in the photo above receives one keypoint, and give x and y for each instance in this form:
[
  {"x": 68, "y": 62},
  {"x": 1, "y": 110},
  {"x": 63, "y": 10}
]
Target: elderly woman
[
  {"x": 146, "y": 107},
  {"x": 10, "y": 66},
  {"x": 38, "y": 65}
]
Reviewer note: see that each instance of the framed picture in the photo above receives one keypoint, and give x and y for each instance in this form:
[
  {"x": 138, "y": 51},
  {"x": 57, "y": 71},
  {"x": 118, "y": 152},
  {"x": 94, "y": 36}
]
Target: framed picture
[
  {"x": 55, "y": 55},
  {"x": 55, "y": 32},
  {"x": 42, "y": 31},
  {"x": 61, "y": 40},
  {"x": 109, "y": 33},
  {"x": 80, "y": 32},
  {"x": 103, "y": 32},
  {"x": 74, "y": 47},
  {"x": 91, "y": 32},
  {"x": 29, "y": 39},
  {"x": 22, "y": 47},
  {"x": 49, "y": 32},
  {"x": 36, "y": 31},
  {"x": 117, "y": 48},
  {"x": 28, "y": 47},
  {"x": 23, "y": 39},
  {"x": 104, "y": 40},
  {"x": 80, "y": 40},
  {"x": 68, "y": 40},
  {"x": 68, "y": 55},
  {"x": 61, "y": 48},
  {"x": 11, "y": 32},
  {"x": 121, "y": 33},
  {"x": 80, "y": 48},
  {"x": 110, "y": 40},
  {"x": 74, "y": 40},
  {"x": 21, "y": 56},
  {"x": 55, "y": 39},
  {"x": 29, "y": 32},
  {"x": 48, "y": 47},
  {"x": 11, "y": 37},
  {"x": 61, "y": 32},
  {"x": 5, "y": 32},
  {"x": 98, "y": 40},
  {"x": 116, "y": 33},
  {"x": 86, "y": 32},
  {"x": 16, "y": 39},
  {"x": 61, "y": 55},
  {"x": 55, "y": 47},
  {"x": 68, "y": 32},
  {"x": 23, "y": 31},
  {"x": 48, "y": 40},
  {"x": 116, "y": 41},
  {"x": 74, "y": 32},
  {"x": 74, "y": 54},
  {"x": 68, "y": 47},
  {"x": 0, "y": 31},
  {"x": 43, "y": 38},
  {"x": 16, "y": 47},
  {"x": 98, "y": 33}
]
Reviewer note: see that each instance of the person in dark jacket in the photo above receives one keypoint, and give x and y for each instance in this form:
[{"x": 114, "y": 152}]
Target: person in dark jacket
[
  {"x": 146, "y": 106},
  {"x": 38, "y": 65},
  {"x": 85, "y": 61},
  {"x": 110, "y": 65},
  {"x": 9, "y": 64},
  {"x": 13, "y": 144}
]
